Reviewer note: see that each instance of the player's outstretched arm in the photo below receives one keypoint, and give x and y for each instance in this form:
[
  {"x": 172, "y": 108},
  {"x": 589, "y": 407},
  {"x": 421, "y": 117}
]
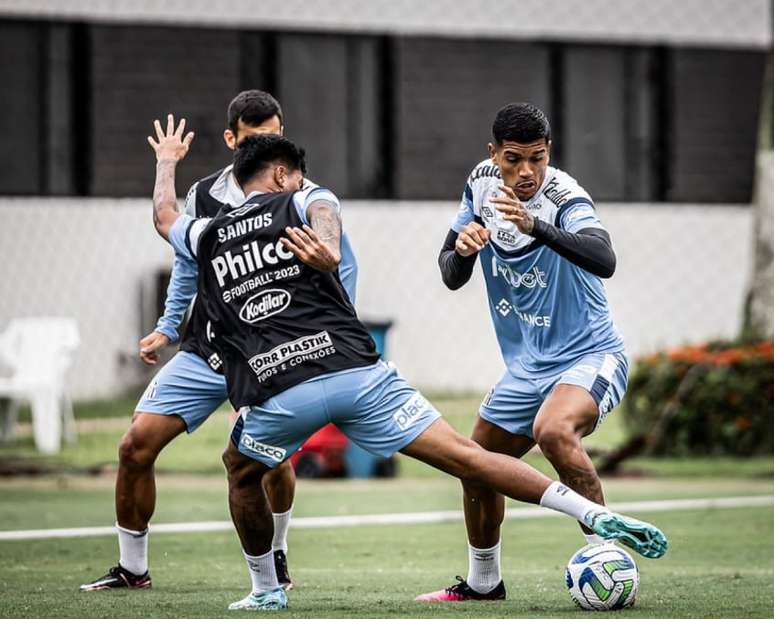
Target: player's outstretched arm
[
  {"x": 170, "y": 147},
  {"x": 318, "y": 245},
  {"x": 180, "y": 293}
]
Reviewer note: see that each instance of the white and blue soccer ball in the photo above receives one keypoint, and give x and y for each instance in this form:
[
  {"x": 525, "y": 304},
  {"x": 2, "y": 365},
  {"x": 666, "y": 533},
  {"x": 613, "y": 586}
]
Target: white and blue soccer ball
[{"x": 602, "y": 577}]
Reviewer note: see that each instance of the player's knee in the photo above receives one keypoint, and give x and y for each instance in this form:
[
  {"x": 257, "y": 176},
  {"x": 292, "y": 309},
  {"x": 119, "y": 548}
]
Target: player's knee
[
  {"x": 134, "y": 453},
  {"x": 555, "y": 439},
  {"x": 242, "y": 471},
  {"x": 469, "y": 466}
]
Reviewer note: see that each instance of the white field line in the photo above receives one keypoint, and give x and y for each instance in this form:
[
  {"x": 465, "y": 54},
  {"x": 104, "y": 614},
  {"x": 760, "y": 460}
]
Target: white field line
[{"x": 320, "y": 522}]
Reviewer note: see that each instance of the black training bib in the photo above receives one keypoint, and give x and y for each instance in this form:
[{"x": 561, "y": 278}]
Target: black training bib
[
  {"x": 195, "y": 339},
  {"x": 274, "y": 321}
]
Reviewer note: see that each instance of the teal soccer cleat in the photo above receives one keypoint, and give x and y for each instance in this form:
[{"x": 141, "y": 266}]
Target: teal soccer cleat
[
  {"x": 269, "y": 600},
  {"x": 641, "y": 537}
]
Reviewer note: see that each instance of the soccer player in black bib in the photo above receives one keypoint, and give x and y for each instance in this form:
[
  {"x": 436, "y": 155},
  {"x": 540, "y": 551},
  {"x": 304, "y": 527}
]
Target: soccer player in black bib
[
  {"x": 296, "y": 356},
  {"x": 191, "y": 387}
]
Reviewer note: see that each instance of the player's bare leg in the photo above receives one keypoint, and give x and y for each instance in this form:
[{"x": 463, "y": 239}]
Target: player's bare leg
[
  {"x": 485, "y": 508},
  {"x": 252, "y": 517},
  {"x": 137, "y": 452},
  {"x": 484, "y": 513},
  {"x": 280, "y": 486},
  {"x": 445, "y": 449},
  {"x": 135, "y": 498},
  {"x": 567, "y": 415}
]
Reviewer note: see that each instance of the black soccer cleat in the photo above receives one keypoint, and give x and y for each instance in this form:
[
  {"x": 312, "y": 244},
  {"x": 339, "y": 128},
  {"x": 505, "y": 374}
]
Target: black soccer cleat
[
  {"x": 281, "y": 565},
  {"x": 462, "y": 592},
  {"x": 119, "y": 578}
]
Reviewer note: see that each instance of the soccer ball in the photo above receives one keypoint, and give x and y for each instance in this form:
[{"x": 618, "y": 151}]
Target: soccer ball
[{"x": 602, "y": 577}]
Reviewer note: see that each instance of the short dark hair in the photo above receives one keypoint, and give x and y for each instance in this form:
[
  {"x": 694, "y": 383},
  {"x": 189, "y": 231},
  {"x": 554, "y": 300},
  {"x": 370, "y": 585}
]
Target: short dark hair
[
  {"x": 520, "y": 122},
  {"x": 252, "y": 107},
  {"x": 256, "y": 153}
]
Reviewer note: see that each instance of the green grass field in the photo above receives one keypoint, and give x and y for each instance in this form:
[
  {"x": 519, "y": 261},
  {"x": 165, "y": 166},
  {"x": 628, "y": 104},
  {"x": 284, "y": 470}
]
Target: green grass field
[{"x": 720, "y": 563}]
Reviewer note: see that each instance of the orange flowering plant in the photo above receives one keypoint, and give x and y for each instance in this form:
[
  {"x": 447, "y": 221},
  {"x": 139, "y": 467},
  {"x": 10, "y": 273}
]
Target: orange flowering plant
[{"x": 711, "y": 399}]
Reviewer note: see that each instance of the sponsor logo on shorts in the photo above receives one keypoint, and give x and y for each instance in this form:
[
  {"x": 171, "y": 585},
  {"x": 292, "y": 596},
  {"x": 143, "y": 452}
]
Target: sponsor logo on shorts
[
  {"x": 150, "y": 390},
  {"x": 264, "y": 304},
  {"x": 488, "y": 397},
  {"x": 407, "y": 415},
  {"x": 606, "y": 403},
  {"x": 291, "y": 354},
  {"x": 250, "y": 444}
]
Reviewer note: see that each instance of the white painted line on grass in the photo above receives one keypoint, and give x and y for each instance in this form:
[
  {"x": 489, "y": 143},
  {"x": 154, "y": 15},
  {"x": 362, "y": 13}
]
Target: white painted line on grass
[{"x": 322, "y": 522}]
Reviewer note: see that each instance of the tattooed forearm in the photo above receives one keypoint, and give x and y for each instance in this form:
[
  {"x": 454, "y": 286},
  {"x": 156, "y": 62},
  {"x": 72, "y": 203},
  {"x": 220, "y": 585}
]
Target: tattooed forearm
[
  {"x": 326, "y": 223},
  {"x": 164, "y": 198}
]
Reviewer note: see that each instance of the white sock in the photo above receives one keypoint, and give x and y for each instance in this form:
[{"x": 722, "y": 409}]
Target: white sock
[
  {"x": 263, "y": 574},
  {"x": 593, "y": 538},
  {"x": 562, "y": 499},
  {"x": 133, "y": 550},
  {"x": 281, "y": 524},
  {"x": 483, "y": 568}
]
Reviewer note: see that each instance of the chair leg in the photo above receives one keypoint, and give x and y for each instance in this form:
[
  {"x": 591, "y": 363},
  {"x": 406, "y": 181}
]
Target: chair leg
[
  {"x": 46, "y": 420},
  {"x": 8, "y": 414},
  {"x": 69, "y": 430}
]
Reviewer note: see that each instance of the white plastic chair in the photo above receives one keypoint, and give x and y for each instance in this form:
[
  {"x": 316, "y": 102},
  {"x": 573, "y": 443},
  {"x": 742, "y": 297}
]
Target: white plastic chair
[{"x": 39, "y": 351}]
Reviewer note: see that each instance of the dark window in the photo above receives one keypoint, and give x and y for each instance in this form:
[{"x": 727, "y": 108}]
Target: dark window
[
  {"x": 380, "y": 117},
  {"x": 446, "y": 95},
  {"x": 607, "y": 120},
  {"x": 715, "y": 101},
  {"x": 143, "y": 73},
  {"x": 330, "y": 91},
  {"x": 22, "y": 105}
]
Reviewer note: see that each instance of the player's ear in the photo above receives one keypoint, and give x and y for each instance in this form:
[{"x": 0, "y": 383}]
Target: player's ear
[
  {"x": 230, "y": 139},
  {"x": 282, "y": 129},
  {"x": 548, "y": 151},
  {"x": 281, "y": 176},
  {"x": 492, "y": 150}
]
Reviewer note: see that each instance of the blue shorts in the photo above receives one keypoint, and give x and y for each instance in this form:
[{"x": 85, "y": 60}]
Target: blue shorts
[
  {"x": 514, "y": 401},
  {"x": 185, "y": 386},
  {"x": 374, "y": 406}
]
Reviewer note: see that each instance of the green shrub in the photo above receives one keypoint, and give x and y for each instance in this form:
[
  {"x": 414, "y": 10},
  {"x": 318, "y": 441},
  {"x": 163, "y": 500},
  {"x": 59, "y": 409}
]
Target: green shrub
[{"x": 704, "y": 400}]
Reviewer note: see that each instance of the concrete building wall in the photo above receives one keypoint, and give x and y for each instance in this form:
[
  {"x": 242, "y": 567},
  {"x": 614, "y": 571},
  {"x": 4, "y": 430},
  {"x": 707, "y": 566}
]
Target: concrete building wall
[{"x": 682, "y": 275}]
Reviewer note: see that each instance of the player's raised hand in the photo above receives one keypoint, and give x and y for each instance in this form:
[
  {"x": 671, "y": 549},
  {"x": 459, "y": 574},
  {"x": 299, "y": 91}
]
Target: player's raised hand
[
  {"x": 170, "y": 145},
  {"x": 471, "y": 239},
  {"x": 513, "y": 210},
  {"x": 307, "y": 246},
  {"x": 150, "y": 344}
]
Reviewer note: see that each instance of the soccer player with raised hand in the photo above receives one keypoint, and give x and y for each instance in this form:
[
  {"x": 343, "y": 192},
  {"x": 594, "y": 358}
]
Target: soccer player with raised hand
[{"x": 191, "y": 386}]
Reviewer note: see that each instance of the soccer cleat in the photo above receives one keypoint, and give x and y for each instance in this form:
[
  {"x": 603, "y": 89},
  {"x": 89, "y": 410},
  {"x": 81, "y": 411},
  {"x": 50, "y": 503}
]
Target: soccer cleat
[
  {"x": 119, "y": 578},
  {"x": 276, "y": 599},
  {"x": 640, "y": 536},
  {"x": 281, "y": 565},
  {"x": 462, "y": 592}
]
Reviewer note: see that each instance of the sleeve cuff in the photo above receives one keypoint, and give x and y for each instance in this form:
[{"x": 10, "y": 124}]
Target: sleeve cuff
[{"x": 167, "y": 330}]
